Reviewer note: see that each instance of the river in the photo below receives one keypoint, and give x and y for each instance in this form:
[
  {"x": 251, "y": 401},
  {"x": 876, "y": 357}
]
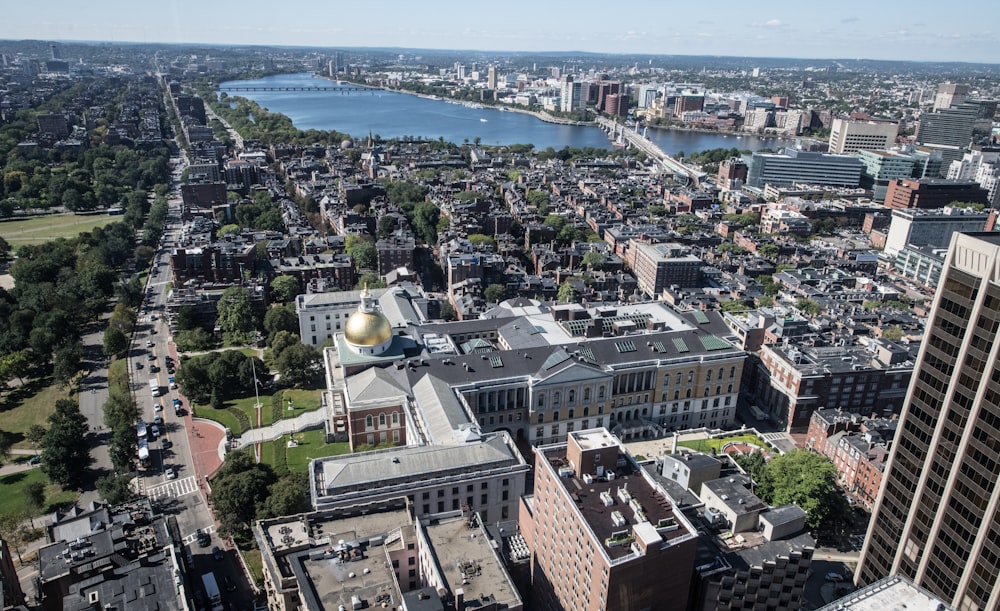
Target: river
[{"x": 394, "y": 115}]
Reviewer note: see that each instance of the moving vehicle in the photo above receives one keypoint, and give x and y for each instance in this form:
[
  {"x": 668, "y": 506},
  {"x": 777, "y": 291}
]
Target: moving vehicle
[
  {"x": 154, "y": 387},
  {"x": 212, "y": 591}
]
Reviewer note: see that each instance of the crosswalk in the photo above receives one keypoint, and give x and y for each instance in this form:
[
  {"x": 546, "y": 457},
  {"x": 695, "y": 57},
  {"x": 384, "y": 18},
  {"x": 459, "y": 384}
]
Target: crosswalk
[
  {"x": 173, "y": 488},
  {"x": 189, "y": 539}
]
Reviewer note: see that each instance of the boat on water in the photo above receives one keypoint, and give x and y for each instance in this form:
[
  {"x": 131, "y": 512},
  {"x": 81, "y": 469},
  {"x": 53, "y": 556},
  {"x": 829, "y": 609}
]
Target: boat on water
[{"x": 483, "y": 120}]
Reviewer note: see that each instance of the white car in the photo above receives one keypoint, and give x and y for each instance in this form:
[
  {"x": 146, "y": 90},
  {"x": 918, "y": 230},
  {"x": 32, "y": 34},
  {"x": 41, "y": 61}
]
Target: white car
[
  {"x": 158, "y": 407},
  {"x": 170, "y": 473}
]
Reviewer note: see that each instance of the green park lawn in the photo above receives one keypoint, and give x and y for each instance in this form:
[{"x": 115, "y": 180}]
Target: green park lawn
[
  {"x": 707, "y": 445},
  {"x": 37, "y": 230},
  {"x": 30, "y": 404},
  {"x": 13, "y": 497},
  {"x": 240, "y": 415},
  {"x": 296, "y": 460}
]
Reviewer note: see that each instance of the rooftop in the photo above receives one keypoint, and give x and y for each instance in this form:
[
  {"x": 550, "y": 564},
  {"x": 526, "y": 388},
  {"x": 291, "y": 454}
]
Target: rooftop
[
  {"x": 889, "y": 594},
  {"x": 368, "y": 472},
  {"x": 468, "y": 562},
  {"x": 608, "y": 504}
]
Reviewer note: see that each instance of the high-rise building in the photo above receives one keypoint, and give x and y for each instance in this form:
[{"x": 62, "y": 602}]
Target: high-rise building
[
  {"x": 602, "y": 533},
  {"x": 883, "y": 166},
  {"x": 950, "y": 94},
  {"x": 732, "y": 174},
  {"x": 491, "y": 77},
  {"x": 849, "y": 136},
  {"x": 949, "y": 130},
  {"x": 932, "y": 193},
  {"x": 571, "y": 95},
  {"x": 936, "y": 520},
  {"x": 803, "y": 167}
]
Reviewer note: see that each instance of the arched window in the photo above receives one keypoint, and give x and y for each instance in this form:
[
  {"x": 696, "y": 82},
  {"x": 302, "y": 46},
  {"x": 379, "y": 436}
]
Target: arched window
[
  {"x": 690, "y": 376},
  {"x": 586, "y": 394},
  {"x": 732, "y": 373},
  {"x": 708, "y": 375},
  {"x": 541, "y": 400},
  {"x": 555, "y": 398},
  {"x": 381, "y": 419},
  {"x": 600, "y": 392},
  {"x": 369, "y": 421},
  {"x": 395, "y": 418}
]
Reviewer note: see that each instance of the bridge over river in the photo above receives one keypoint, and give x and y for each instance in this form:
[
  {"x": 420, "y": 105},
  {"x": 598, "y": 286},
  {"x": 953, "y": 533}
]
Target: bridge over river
[{"x": 347, "y": 89}]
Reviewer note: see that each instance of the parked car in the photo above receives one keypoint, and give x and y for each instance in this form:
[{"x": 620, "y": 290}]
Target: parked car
[
  {"x": 217, "y": 553},
  {"x": 228, "y": 583},
  {"x": 177, "y": 402},
  {"x": 170, "y": 473},
  {"x": 35, "y": 460},
  {"x": 158, "y": 407},
  {"x": 204, "y": 539},
  {"x": 138, "y": 365},
  {"x": 154, "y": 431},
  {"x": 834, "y": 577}
]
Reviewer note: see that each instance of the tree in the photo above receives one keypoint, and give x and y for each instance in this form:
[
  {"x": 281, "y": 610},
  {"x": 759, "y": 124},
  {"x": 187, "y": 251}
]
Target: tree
[
  {"x": 448, "y": 311},
  {"x": 287, "y": 496},
  {"x": 35, "y": 434},
  {"x": 236, "y": 317},
  {"x": 362, "y": 252},
  {"x": 808, "y": 306},
  {"x": 115, "y": 488},
  {"x": 285, "y": 288},
  {"x": 495, "y": 293},
  {"x": 280, "y": 319},
  {"x": 194, "y": 339},
  {"x": 5, "y": 444},
  {"x": 34, "y": 497},
  {"x": 893, "y": 333},
  {"x": 808, "y": 480},
  {"x": 298, "y": 364},
  {"x": 480, "y": 239},
  {"x": 370, "y": 280},
  {"x": 115, "y": 342},
  {"x": 567, "y": 293},
  {"x": 768, "y": 251},
  {"x": 732, "y": 305},
  {"x": 15, "y": 365},
  {"x": 67, "y": 361},
  {"x": 239, "y": 495},
  {"x": 595, "y": 260},
  {"x": 765, "y": 301},
  {"x": 65, "y": 455},
  {"x": 13, "y": 532}
]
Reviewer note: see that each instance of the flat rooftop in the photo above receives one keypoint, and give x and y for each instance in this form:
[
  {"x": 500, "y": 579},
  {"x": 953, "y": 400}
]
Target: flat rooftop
[
  {"x": 889, "y": 594},
  {"x": 468, "y": 562},
  {"x": 600, "y": 517}
]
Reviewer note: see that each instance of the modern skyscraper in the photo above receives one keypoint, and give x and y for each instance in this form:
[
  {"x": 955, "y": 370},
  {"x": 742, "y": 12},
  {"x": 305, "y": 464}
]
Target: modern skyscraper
[
  {"x": 849, "y": 136},
  {"x": 937, "y": 519},
  {"x": 950, "y": 94},
  {"x": 491, "y": 77},
  {"x": 949, "y": 130}
]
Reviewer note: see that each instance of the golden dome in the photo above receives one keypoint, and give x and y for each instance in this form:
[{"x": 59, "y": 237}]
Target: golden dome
[{"x": 367, "y": 328}]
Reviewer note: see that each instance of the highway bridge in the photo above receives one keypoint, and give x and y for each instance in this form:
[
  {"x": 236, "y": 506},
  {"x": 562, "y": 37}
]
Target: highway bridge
[
  {"x": 333, "y": 89},
  {"x": 618, "y": 131}
]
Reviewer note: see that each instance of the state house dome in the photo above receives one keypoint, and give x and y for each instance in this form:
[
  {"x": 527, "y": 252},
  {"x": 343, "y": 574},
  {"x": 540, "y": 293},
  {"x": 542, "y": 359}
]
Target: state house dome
[{"x": 367, "y": 326}]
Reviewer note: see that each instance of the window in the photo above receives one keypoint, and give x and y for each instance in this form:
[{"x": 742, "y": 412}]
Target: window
[
  {"x": 555, "y": 416},
  {"x": 586, "y": 394},
  {"x": 469, "y": 488},
  {"x": 381, "y": 419},
  {"x": 382, "y": 437},
  {"x": 369, "y": 421},
  {"x": 411, "y": 561},
  {"x": 555, "y": 398},
  {"x": 395, "y": 436},
  {"x": 484, "y": 486},
  {"x": 600, "y": 392},
  {"x": 395, "y": 418},
  {"x": 440, "y": 493},
  {"x": 484, "y": 499},
  {"x": 541, "y": 400}
]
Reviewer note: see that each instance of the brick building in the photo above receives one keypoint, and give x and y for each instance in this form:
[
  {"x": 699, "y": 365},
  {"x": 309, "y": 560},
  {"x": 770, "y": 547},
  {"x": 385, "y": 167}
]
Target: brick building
[{"x": 933, "y": 193}]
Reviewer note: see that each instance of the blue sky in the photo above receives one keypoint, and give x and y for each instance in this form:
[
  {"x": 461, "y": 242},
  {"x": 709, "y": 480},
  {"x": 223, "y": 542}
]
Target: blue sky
[{"x": 876, "y": 29}]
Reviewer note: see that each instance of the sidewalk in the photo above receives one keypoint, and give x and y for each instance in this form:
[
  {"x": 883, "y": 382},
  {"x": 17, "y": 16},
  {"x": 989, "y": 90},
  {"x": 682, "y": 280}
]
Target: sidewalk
[{"x": 302, "y": 422}]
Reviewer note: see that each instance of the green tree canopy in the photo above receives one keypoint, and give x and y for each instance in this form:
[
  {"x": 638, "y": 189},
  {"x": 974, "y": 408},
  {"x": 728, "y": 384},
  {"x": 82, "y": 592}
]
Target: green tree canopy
[
  {"x": 299, "y": 364},
  {"x": 595, "y": 260},
  {"x": 285, "y": 288},
  {"x": 115, "y": 341},
  {"x": 808, "y": 480},
  {"x": 808, "y": 306},
  {"x": 495, "y": 293},
  {"x": 567, "y": 293},
  {"x": 236, "y": 317},
  {"x": 65, "y": 455},
  {"x": 280, "y": 319}
]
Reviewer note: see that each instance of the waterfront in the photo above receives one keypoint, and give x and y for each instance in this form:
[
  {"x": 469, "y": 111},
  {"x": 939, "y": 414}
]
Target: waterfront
[{"x": 394, "y": 115}]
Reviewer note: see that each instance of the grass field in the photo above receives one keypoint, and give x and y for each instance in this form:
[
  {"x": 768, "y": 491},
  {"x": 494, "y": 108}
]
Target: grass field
[
  {"x": 13, "y": 498},
  {"x": 302, "y": 401},
  {"x": 30, "y": 404},
  {"x": 296, "y": 460},
  {"x": 707, "y": 445},
  {"x": 37, "y": 230}
]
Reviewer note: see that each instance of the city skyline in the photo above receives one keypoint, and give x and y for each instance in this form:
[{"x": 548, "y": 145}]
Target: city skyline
[{"x": 781, "y": 29}]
